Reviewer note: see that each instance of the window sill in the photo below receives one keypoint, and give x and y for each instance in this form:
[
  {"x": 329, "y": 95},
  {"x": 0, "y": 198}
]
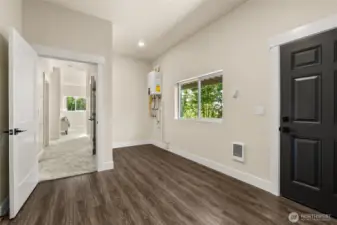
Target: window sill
[{"x": 202, "y": 120}]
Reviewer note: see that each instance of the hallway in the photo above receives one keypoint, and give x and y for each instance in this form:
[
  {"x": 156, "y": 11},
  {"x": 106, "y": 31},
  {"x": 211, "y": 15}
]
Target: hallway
[
  {"x": 66, "y": 158},
  {"x": 72, "y": 134}
]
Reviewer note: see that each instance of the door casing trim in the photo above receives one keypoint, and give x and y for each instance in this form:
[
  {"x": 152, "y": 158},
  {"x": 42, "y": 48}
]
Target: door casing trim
[
  {"x": 99, "y": 61},
  {"x": 275, "y": 42}
]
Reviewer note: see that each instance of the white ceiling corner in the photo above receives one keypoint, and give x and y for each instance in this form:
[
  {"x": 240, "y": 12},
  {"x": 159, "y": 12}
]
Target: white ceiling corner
[{"x": 160, "y": 23}]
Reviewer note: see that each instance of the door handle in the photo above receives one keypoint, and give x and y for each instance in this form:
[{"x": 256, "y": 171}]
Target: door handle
[
  {"x": 91, "y": 119},
  {"x": 17, "y": 130},
  {"x": 284, "y": 129},
  {"x": 10, "y": 132},
  {"x": 285, "y": 119}
]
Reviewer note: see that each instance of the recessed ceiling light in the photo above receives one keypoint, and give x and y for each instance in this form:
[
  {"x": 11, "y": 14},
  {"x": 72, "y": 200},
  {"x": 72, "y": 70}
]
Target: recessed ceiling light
[{"x": 141, "y": 44}]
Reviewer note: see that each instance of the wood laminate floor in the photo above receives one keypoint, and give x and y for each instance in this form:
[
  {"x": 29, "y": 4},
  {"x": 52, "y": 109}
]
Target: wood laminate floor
[{"x": 152, "y": 186}]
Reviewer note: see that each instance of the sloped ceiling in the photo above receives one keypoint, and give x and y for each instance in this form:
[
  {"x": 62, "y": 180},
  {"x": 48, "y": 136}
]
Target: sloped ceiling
[{"x": 160, "y": 23}]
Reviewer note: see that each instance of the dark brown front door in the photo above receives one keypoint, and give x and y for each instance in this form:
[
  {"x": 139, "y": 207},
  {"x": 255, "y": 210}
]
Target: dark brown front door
[{"x": 309, "y": 122}]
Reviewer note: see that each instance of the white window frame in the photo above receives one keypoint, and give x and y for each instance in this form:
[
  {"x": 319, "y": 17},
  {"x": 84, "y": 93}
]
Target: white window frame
[
  {"x": 218, "y": 73},
  {"x": 65, "y": 108}
]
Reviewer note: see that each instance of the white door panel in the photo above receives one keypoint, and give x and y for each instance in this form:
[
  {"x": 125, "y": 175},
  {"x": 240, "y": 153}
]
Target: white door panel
[{"x": 23, "y": 162}]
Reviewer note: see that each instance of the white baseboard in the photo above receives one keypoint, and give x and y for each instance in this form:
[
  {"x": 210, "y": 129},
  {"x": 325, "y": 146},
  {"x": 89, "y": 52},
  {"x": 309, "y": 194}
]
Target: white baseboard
[
  {"x": 106, "y": 166},
  {"x": 160, "y": 144},
  {"x": 237, "y": 174},
  {"x": 130, "y": 143},
  {"x": 4, "y": 207}
]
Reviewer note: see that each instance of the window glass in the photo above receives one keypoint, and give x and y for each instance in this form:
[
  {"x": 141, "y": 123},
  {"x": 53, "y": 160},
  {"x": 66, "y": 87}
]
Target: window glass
[
  {"x": 201, "y": 98},
  {"x": 75, "y": 103},
  {"x": 211, "y": 98},
  {"x": 189, "y": 100},
  {"x": 80, "y": 104},
  {"x": 71, "y": 104}
]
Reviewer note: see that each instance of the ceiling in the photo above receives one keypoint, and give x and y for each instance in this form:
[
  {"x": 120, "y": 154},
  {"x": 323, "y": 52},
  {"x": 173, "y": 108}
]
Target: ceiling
[
  {"x": 74, "y": 73},
  {"x": 161, "y": 24}
]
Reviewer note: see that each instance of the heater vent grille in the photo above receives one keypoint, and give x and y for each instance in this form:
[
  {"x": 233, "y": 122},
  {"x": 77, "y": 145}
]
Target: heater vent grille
[{"x": 238, "y": 152}]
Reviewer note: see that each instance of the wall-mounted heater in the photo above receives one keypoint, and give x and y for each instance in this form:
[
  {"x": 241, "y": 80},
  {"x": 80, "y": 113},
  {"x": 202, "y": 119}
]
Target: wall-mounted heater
[
  {"x": 238, "y": 151},
  {"x": 154, "y": 81}
]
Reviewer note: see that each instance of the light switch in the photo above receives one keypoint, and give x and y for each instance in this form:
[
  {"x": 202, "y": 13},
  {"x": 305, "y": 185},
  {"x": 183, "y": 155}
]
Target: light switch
[{"x": 259, "y": 110}]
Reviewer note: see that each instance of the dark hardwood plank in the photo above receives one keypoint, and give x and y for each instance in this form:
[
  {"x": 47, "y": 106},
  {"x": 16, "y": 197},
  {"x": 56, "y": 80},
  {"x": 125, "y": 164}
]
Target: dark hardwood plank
[{"x": 153, "y": 186}]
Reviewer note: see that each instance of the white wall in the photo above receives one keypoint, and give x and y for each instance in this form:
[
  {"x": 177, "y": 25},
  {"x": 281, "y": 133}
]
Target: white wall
[
  {"x": 54, "y": 104},
  {"x": 73, "y": 75},
  {"x": 131, "y": 121},
  {"x": 51, "y": 25},
  {"x": 10, "y": 15},
  {"x": 77, "y": 119},
  {"x": 44, "y": 67},
  {"x": 238, "y": 44},
  {"x": 73, "y": 90},
  {"x": 74, "y": 84}
]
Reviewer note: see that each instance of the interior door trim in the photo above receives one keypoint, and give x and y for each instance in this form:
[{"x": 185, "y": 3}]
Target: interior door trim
[
  {"x": 274, "y": 44},
  {"x": 104, "y": 161}
]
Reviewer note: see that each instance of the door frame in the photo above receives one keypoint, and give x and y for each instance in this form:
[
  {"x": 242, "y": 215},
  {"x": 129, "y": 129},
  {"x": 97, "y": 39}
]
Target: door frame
[
  {"x": 275, "y": 42},
  {"x": 45, "y": 111},
  {"x": 99, "y": 61}
]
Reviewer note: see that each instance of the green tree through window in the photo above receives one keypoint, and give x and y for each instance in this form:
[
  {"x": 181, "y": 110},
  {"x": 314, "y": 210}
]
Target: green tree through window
[
  {"x": 75, "y": 103},
  {"x": 210, "y": 102},
  {"x": 80, "y": 104},
  {"x": 71, "y": 104},
  {"x": 211, "y": 98},
  {"x": 189, "y": 100}
]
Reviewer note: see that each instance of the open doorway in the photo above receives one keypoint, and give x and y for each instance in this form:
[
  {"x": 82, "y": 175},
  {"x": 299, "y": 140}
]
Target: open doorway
[
  {"x": 25, "y": 91},
  {"x": 67, "y": 118}
]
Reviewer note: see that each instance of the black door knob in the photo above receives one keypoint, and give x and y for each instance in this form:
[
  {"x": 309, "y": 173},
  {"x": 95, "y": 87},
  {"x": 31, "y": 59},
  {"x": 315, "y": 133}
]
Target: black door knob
[
  {"x": 285, "y": 119},
  {"x": 10, "y": 132},
  {"x": 17, "y": 130},
  {"x": 284, "y": 129}
]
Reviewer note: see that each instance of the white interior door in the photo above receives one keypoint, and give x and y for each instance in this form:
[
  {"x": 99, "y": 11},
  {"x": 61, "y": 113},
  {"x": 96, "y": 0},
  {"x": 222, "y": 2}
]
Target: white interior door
[{"x": 23, "y": 121}]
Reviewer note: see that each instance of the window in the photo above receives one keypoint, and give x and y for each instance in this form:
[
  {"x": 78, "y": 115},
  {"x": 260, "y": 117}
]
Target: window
[
  {"x": 201, "y": 97},
  {"x": 80, "y": 104},
  {"x": 75, "y": 103},
  {"x": 189, "y": 96}
]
